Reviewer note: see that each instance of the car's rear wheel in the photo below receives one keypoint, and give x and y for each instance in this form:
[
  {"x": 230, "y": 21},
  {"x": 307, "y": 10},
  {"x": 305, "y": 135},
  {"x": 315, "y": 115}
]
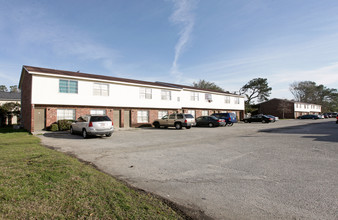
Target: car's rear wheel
[
  {"x": 156, "y": 125},
  {"x": 211, "y": 125},
  {"x": 188, "y": 127},
  {"x": 178, "y": 126},
  {"x": 84, "y": 133}
]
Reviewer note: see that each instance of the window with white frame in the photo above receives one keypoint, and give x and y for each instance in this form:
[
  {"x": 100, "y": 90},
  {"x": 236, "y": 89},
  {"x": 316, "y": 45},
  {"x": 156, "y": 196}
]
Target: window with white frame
[
  {"x": 162, "y": 113},
  {"x": 68, "y": 86},
  {"x": 205, "y": 113},
  {"x": 98, "y": 112},
  {"x": 208, "y": 97},
  {"x": 142, "y": 116},
  {"x": 194, "y": 96},
  {"x": 192, "y": 112},
  {"x": 65, "y": 114},
  {"x": 165, "y": 95},
  {"x": 145, "y": 93},
  {"x": 227, "y": 99},
  {"x": 236, "y": 100},
  {"x": 101, "y": 89}
]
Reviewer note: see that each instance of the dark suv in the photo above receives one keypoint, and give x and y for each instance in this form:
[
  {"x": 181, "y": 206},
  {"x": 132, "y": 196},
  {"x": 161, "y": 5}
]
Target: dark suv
[{"x": 229, "y": 118}]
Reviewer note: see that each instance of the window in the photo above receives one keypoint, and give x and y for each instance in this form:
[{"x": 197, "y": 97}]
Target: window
[
  {"x": 98, "y": 112},
  {"x": 67, "y": 86},
  {"x": 165, "y": 95},
  {"x": 194, "y": 96},
  {"x": 205, "y": 113},
  {"x": 145, "y": 93},
  {"x": 65, "y": 114},
  {"x": 162, "y": 113},
  {"x": 208, "y": 97},
  {"x": 227, "y": 99},
  {"x": 192, "y": 112},
  {"x": 236, "y": 100},
  {"x": 142, "y": 116},
  {"x": 101, "y": 89}
]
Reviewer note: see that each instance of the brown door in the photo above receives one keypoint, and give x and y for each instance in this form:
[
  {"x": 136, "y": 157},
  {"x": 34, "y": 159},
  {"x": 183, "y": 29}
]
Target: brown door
[
  {"x": 116, "y": 118},
  {"x": 126, "y": 118},
  {"x": 39, "y": 119}
]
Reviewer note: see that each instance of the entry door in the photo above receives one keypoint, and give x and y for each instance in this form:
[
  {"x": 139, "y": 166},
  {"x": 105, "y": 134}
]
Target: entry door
[
  {"x": 116, "y": 118},
  {"x": 126, "y": 118},
  {"x": 39, "y": 119}
]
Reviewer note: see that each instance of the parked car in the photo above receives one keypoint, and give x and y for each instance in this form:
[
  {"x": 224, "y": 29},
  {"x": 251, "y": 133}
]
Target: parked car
[
  {"x": 274, "y": 118},
  {"x": 308, "y": 117},
  {"x": 337, "y": 119},
  {"x": 258, "y": 118},
  {"x": 326, "y": 115},
  {"x": 332, "y": 114},
  {"x": 88, "y": 125},
  {"x": 210, "y": 121},
  {"x": 230, "y": 118},
  {"x": 177, "y": 120}
]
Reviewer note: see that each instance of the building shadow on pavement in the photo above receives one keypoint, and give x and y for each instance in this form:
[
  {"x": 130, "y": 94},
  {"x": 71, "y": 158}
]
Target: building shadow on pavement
[{"x": 324, "y": 131}]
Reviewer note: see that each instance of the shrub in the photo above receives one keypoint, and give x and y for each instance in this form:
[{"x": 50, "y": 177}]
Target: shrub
[
  {"x": 64, "y": 125},
  {"x": 54, "y": 127}
]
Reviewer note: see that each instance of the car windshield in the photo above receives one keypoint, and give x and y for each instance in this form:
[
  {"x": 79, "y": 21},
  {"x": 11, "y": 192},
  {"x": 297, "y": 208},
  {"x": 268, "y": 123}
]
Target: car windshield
[
  {"x": 99, "y": 118},
  {"x": 188, "y": 116}
]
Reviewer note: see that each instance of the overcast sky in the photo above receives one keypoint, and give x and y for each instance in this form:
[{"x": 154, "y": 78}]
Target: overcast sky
[{"x": 228, "y": 42}]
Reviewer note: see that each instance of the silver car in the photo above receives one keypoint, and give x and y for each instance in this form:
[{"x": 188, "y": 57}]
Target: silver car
[{"x": 92, "y": 125}]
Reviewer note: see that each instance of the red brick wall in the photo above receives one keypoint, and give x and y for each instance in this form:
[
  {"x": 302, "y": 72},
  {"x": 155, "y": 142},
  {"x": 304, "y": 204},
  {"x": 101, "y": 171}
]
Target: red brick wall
[
  {"x": 273, "y": 107},
  {"x": 27, "y": 112},
  {"x": 51, "y": 113}
]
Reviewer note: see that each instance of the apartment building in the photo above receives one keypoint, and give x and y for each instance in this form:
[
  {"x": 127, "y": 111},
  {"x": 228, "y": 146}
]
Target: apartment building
[
  {"x": 283, "y": 108},
  {"x": 49, "y": 95},
  {"x": 11, "y": 117}
]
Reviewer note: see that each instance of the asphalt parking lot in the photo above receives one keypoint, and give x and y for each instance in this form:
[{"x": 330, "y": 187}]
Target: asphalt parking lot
[{"x": 282, "y": 170}]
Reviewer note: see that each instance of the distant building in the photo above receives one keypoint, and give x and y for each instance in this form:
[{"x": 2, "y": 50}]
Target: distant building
[
  {"x": 284, "y": 108},
  {"x": 6, "y": 97}
]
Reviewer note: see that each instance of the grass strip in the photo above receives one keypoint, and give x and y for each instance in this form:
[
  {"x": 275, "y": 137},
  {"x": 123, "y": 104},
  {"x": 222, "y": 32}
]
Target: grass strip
[{"x": 40, "y": 183}]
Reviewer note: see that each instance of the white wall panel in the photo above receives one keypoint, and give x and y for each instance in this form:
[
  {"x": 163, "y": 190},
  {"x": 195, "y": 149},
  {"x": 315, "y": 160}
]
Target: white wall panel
[{"x": 45, "y": 90}]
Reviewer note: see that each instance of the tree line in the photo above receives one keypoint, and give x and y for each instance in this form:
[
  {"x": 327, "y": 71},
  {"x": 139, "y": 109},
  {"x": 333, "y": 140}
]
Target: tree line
[
  {"x": 258, "y": 89},
  {"x": 13, "y": 88}
]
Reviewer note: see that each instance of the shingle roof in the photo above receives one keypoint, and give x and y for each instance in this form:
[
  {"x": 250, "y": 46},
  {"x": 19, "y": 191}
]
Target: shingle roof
[
  {"x": 10, "y": 96},
  {"x": 190, "y": 87},
  {"x": 87, "y": 75}
]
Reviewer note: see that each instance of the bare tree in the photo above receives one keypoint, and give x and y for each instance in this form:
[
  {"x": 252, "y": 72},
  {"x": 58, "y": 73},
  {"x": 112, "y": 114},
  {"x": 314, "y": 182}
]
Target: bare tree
[{"x": 285, "y": 107}]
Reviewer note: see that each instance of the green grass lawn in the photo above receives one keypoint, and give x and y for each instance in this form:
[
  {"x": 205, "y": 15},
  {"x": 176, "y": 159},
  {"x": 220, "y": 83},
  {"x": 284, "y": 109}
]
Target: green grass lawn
[{"x": 40, "y": 183}]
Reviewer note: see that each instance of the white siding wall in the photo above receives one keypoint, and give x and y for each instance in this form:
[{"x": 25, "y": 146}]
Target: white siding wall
[
  {"x": 218, "y": 102},
  {"x": 303, "y": 107},
  {"x": 45, "y": 90}
]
